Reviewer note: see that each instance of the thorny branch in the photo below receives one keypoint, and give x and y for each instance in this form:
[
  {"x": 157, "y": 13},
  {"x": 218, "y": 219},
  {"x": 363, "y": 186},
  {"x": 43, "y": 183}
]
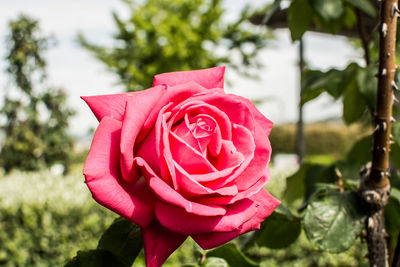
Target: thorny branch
[{"x": 375, "y": 185}]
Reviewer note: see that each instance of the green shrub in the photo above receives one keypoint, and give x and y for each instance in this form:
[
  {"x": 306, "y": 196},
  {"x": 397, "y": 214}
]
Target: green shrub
[
  {"x": 46, "y": 218},
  {"x": 320, "y": 138}
]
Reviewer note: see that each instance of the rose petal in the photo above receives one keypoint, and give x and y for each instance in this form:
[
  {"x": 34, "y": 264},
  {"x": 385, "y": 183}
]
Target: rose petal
[
  {"x": 235, "y": 107},
  {"x": 159, "y": 243},
  {"x": 259, "y": 164},
  {"x": 208, "y": 78},
  {"x": 265, "y": 123},
  {"x": 137, "y": 110},
  {"x": 226, "y": 200},
  {"x": 194, "y": 107},
  {"x": 154, "y": 148},
  {"x": 175, "y": 94},
  {"x": 134, "y": 201},
  {"x": 266, "y": 205},
  {"x": 178, "y": 220},
  {"x": 227, "y": 157},
  {"x": 164, "y": 192},
  {"x": 184, "y": 132},
  {"x": 182, "y": 152},
  {"x": 190, "y": 188},
  {"x": 114, "y": 105},
  {"x": 243, "y": 141}
]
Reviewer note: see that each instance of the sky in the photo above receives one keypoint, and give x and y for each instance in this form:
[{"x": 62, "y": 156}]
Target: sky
[{"x": 74, "y": 69}]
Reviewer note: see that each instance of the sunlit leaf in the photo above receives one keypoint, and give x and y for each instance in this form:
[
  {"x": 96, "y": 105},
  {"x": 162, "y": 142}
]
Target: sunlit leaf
[
  {"x": 215, "y": 262},
  {"x": 333, "y": 220},
  {"x": 299, "y": 16},
  {"x": 232, "y": 255},
  {"x": 363, "y": 5},
  {"x": 328, "y": 9}
]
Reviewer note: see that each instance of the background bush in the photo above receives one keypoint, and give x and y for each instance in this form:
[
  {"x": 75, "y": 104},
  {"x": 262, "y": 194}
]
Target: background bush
[
  {"x": 55, "y": 216},
  {"x": 320, "y": 138}
]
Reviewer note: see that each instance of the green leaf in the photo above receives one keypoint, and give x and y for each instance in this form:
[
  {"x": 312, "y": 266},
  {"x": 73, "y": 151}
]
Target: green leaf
[
  {"x": 333, "y": 221},
  {"x": 279, "y": 230},
  {"x": 395, "y": 155},
  {"x": 299, "y": 16},
  {"x": 395, "y": 193},
  {"x": 232, "y": 255},
  {"x": 367, "y": 84},
  {"x": 363, "y": 5},
  {"x": 123, "y": 239},
  {"x": 334, "y": 82},
  {"x": 361, "y": 151},
  {"x": 313, "y": 84},
  {"x": 215, "y": 262},
  {"x": 295, "y": 184},
  {"x": 95, "y": 258},
  {"x": 392, "y": 219},
  {"x": 395, "y": 148},
  {"x": 396, "y": 132},
  {"x": 392, "y": 215},
  {"x": 353, "y": 103},
  {"x": 305, "y": 181},
  {"x": 328, "y": 9},
  {"x": 349, "y": 170}
]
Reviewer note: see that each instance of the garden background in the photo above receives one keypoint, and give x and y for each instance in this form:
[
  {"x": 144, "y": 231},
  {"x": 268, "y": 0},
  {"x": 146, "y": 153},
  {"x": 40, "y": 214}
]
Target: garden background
[{"x": 47, "y": 213}]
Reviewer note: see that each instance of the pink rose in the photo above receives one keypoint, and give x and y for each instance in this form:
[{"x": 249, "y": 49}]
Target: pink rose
[{"x": 181, "y": 158}]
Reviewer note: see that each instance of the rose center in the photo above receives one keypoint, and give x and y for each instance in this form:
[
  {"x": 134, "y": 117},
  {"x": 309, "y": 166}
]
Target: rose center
[{"x": 203, "y": 127}]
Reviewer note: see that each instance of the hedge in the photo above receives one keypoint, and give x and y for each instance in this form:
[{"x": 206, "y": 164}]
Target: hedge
[{"x": 320, "y": 138}]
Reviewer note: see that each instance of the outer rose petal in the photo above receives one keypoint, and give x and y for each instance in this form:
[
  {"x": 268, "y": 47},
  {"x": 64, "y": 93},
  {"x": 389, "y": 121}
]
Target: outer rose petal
[
  {"x": 208, "y": 78},
  {"x": 159, "y": 243},
  {"x": 178, "y": 220},
  {"x": 134, "y": 201},
  {"x": 164, "y": 192},
  {"x": 138, "y": 108},
  {"x": 259, "y": 164},
  {"x": 114, "y": 105},
  {"x": 265, "y": 123},
  {"x": 266, "y": 205}
]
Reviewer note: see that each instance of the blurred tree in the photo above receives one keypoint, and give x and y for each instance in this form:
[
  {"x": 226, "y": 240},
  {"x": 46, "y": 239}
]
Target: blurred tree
[
  {"x": 36, "y": 116},
  {"x": 170, "y": 35}
]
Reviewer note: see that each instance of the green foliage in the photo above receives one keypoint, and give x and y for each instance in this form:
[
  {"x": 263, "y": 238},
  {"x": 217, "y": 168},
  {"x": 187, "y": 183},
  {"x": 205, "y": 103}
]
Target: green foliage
[
  {"x": 279, "y": 230},
  {"x": 119, "y": 246},
  {"x": 364, "y": 5},
  {"x": 357, "y": 86},
  {"x": 168, "y": 35},
  {"x": 320, "y": 138},
  {"x": 215, "y": 262},
  {"x": 46, "y": 224},
  {"x": 95, "y": 258},
  {"x": 231, "y": 253},
  {"x": 31, "y": 140},
  {"x": 328, "y": 15},
  {"x": 123, "y": 239},
  {"x": 299, "y": 18},
  {"x": 334, "y": 220}
]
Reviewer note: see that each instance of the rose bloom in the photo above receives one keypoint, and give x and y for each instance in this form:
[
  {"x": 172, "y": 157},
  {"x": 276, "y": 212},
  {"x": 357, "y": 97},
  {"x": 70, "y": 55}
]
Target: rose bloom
[{"x": 180, "y": 159}]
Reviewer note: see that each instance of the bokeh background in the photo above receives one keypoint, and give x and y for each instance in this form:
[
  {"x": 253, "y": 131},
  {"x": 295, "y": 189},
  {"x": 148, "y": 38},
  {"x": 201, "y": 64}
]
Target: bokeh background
[{"x": 46, "y": 211}]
